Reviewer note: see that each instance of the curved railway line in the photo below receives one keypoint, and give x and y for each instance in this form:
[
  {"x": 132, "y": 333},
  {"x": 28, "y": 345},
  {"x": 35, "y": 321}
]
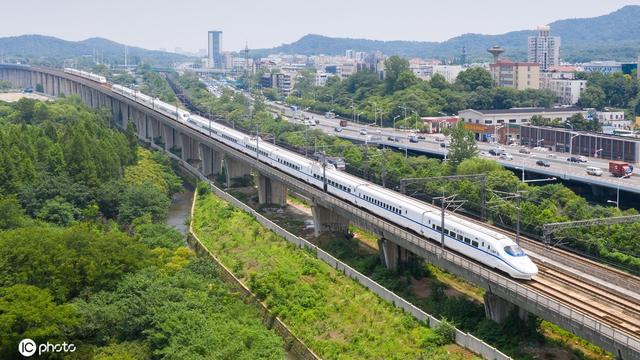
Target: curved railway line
[{"x": 599, "y": 291}]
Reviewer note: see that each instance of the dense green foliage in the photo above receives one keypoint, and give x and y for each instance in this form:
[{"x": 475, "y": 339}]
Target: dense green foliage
[
  {"x": 70, "y": 273},
  {"x": 155, "y": 85},
  {"x": 612, "y": 90},
  {"x": 423, "y": 286},
  {"x": 386, "y": 99},
  {"x": 332, "y": 314}
]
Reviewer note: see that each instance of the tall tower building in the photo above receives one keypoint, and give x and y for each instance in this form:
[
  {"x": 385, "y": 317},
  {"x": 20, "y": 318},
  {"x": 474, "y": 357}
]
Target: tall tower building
[
  {"x": 544, "y": 49},
  {"x": 214, "y": 41}
]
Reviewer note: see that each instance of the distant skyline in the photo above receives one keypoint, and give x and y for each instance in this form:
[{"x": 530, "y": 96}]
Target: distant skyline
[{"x": 263, "y": 24}]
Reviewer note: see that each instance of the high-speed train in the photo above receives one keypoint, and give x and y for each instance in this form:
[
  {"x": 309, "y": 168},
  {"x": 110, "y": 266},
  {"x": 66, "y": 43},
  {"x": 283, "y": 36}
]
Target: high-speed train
[
  {"x": 86, "y": 75},
  {"x": 482, "y": 244},
  {"x": 152, "y": 102}
]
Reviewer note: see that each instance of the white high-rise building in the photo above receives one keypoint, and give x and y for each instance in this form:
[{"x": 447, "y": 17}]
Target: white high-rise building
[{"x": 544, "y": 49}]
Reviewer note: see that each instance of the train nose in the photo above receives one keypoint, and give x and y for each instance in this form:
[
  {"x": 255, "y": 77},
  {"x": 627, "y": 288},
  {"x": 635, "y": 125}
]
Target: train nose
[{"x": 528, "y": 267}]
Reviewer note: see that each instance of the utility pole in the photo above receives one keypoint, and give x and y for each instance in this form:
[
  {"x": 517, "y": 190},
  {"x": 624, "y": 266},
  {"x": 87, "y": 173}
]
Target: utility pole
[{"x": 383, "y": 171}]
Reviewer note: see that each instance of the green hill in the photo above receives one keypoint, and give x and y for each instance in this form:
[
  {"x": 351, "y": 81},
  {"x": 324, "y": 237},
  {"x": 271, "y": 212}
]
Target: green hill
[
  {"x": 615, "y": 36},
  {"x": 47, "y": 49}
]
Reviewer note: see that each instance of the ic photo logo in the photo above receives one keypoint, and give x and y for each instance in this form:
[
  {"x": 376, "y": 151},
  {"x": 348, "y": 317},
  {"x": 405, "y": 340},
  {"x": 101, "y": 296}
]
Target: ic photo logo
[{"x": 28, "y": 348}]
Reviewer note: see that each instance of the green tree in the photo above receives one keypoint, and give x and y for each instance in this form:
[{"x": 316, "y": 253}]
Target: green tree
[
  {"x": 12, "y": 213},
  {"x": 474, "y": 78},
  {"x": 30, "y": 312},
  {"x": 138, "y": 200},
  {"x": 394, "y": 67},
  {"x": 463, "y": 144},
  {"x": 592, "y": 97},
  {"x": 59, "y": 212}
]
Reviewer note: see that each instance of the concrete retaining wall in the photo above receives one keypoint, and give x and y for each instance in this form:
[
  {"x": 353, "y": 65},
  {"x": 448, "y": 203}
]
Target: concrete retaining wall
[{"x": 463, "y": 339}]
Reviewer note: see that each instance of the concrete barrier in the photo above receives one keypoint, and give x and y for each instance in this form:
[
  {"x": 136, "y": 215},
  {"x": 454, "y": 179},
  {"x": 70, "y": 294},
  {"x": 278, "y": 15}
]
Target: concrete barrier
[{"x": 463, "y": 339}]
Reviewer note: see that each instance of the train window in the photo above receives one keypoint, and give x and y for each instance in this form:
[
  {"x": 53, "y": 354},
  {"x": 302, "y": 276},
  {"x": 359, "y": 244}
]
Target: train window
[
  {"x": 514, "y": 250},
  {"x": 433, "y": 226},
  {"x": 474, "y": 243},
  {"x": 483, "y": 244},
  {"x": 460, "y": 237},
  {"x": 467, "y": 240},
  {"x": 439, "y": 228}
]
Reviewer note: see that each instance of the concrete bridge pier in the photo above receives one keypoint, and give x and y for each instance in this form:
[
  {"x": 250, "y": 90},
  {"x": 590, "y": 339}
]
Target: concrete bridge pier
[
  {"x": 235, "y": 169},
  {"x": 392, "y": 254},
  {"x": 211, "y": 160},
  {"x": 190, "y": 152},
  {"x": 271, "y": 191},
  {"x": 328, "y": 221},
  {"x": 156, "y": 131},
  {"x": 499, "y": 309},
  {"x": 169, "y": 137}
]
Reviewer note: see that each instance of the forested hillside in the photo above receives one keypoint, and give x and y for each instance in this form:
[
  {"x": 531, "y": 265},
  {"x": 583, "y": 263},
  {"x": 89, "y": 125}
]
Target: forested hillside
[
  {"x": 85, "y": 257},
  {"x": 606, "y": 37}
]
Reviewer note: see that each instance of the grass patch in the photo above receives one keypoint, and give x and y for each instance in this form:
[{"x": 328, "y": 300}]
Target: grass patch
[{"x": 332, "y": 314}]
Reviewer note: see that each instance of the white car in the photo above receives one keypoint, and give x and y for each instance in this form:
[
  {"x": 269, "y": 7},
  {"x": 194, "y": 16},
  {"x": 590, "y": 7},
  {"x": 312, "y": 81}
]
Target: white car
[
  {"x": 506, "y": 156},
  {"x": 595, "y": 171},
  {"x": 363, "y": 131}
]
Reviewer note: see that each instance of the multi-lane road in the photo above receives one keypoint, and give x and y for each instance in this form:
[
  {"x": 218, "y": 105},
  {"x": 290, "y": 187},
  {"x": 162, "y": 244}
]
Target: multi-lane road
[{"x": 559, "y": 167}]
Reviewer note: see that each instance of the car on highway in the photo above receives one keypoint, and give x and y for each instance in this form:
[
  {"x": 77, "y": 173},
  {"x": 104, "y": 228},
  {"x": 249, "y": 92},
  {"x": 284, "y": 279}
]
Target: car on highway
[
  {"x": 444, "y": 144},
  {"x": 363, "y": 131},
  {"x": 595, "y": 171},
  {"x": 393, "y": 138},
  {"x": 506, "y": 156},
  {"x": 440, "y": 138},
  {"x": 524, "y": 151},
  {"x": 413, "y": 138},
  {"x": 337, "y": 129},
  {"x": 496, "y": 151},
  {"x": 582, "y": 158},
  {"x": 544, "y": 163},
  {"x": 574, "y": 159},
  {"x": 422, "y": 137}
]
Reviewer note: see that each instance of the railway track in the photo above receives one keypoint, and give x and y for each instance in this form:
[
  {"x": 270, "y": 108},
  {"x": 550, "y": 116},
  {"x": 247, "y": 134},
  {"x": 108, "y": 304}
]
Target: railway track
[{"x": 597, "y": 299}]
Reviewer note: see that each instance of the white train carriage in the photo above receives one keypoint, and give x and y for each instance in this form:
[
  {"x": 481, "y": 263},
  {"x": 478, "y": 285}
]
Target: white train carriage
[
  {"x": 472, "y": 240},
  {"x": 87, "y": 75}
]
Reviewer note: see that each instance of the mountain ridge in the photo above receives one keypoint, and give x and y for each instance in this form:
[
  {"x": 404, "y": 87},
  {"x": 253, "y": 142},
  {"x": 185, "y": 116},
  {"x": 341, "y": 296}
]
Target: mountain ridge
[
  {"x": 44, "y": 48},
  {"x": 613, "y": 36}
]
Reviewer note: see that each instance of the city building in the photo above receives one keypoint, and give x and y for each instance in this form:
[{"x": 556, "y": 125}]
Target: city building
[
  {"x": 544, "y": 49},
  {"x": 282, "y": 82},
  {"x": 214, "y": 56},
  {"x": 503, "y": 124},
  {"x": 564, "y": 84},
  {"x": 598, "y": 145},
  {"x": 435, "y": 124},
  {"x": 605, "y": 67},
  {"x": 517, "y": 75},
  {"x": 613, "y": 119},
  {"x": 449, "y": 72},
  {"x": 321, "y": 78}
]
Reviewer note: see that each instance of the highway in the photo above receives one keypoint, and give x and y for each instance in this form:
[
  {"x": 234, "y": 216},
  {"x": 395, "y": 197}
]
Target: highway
[{"x": 559, "y": 166}]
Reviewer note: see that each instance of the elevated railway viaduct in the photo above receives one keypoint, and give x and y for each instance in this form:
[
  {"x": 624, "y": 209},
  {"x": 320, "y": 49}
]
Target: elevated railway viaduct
[{"x": 592, "y": 301}]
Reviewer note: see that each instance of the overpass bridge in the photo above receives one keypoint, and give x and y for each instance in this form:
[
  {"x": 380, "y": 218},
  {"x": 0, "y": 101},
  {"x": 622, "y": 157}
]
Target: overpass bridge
[
  {"x": 597, "y": 303},
  {"x": 559, "y": 167}
]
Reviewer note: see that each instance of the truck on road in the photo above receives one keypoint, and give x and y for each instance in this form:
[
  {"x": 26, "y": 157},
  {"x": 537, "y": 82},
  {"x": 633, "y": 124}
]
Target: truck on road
[
  {"x": 343, "y": 123},
  {"x": 620, "y": 168}
]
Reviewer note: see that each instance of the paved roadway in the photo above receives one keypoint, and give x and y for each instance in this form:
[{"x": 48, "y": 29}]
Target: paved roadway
[{"x": 560, "y": 167}]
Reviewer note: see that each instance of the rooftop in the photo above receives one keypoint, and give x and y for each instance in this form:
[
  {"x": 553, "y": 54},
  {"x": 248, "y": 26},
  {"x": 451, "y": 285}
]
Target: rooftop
[{"x": 531, "y": 110}]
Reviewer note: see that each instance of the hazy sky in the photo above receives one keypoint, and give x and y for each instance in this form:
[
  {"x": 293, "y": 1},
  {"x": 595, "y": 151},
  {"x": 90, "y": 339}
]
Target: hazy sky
[{"x": 168, "y": 24}]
